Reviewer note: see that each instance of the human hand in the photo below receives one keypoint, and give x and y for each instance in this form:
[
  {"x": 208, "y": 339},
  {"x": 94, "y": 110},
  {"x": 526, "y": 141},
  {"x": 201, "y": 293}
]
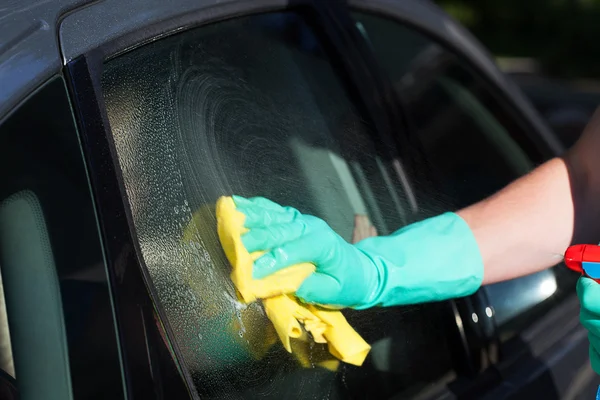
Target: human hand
[
  {"x": 345, "y": 276},
  {"x": 362, "y": 228}
]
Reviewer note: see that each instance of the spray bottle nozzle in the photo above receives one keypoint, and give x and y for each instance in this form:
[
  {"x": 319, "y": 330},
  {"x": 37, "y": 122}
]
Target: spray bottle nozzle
[{"x": 585, "y": 259}]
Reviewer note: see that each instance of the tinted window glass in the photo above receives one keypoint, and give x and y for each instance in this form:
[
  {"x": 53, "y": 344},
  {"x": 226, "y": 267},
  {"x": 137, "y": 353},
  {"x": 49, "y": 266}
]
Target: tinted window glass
[
  {"x": 473, "y": 143},
  {"x": 253, "y": 106},
  {"x": 59, "y": 306}
]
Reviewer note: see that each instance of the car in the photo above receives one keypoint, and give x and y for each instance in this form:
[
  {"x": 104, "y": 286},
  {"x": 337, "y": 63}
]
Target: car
[{"x": 121, "y": 124}]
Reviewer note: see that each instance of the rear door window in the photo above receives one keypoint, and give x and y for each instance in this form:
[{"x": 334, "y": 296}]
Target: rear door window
[{"x": 255, "y": 106}]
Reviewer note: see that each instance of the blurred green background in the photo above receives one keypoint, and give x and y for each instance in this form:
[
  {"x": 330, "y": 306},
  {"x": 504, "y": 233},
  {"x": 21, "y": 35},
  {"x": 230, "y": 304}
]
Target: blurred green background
[
  {"x": 549, "y": 47},
  {"x": 561, "y": 34}
]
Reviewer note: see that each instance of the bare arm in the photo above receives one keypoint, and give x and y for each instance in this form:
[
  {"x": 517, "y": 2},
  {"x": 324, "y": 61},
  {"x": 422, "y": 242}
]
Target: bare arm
[{"x": 527, "y": 226}]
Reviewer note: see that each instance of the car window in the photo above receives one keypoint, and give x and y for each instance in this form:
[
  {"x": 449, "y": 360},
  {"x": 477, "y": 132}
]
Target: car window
[
  {"x": 58, "y": 305},
  {"x": 473, "y": 143},
  {"x": 255, "y": 106}
]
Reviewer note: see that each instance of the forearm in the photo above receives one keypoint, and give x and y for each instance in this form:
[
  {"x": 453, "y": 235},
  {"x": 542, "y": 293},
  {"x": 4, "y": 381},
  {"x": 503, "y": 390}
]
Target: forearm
[{"x": 527, "y": 226}]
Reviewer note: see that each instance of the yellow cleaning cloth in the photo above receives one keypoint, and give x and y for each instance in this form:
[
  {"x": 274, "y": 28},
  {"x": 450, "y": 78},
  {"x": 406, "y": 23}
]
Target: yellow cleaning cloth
[
  {"x": 289, "y": 317},
  {"x": 259, "y": 335}
]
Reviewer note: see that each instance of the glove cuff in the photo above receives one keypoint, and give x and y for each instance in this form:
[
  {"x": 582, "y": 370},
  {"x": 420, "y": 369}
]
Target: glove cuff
[{"x": 432, "y": 260}]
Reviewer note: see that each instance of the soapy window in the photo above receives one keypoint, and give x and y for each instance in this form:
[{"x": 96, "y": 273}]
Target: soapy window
[
  {"x": 472, "y": 142},
  {"x": 254, "y": 106}
]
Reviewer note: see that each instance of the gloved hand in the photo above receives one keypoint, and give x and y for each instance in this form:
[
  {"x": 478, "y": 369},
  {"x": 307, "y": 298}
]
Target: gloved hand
[
  {"x": 435, "y": 259},
  {"x": 588, "y": 292}
]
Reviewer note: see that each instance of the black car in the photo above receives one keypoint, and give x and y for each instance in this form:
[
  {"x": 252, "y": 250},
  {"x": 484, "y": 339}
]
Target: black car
[{"x": 122, "y": 122}]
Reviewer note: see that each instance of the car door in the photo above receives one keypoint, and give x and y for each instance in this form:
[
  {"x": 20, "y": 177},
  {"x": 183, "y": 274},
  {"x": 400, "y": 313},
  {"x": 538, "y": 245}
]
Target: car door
[{"x": 290, "y": 104}]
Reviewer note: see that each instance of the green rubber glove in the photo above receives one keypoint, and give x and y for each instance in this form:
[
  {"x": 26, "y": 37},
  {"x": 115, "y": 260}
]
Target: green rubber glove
[
  {"x": 435, "y": 259},
  {"x": 588, "y": 292}
]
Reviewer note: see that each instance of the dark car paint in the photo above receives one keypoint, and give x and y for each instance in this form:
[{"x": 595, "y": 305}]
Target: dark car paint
[
  {"x": 29, "y": 48},
  {"x": 41, "y": 38}
]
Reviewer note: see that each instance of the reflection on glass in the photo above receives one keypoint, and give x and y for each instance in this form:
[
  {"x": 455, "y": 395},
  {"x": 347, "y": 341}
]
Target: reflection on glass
[
  {"x": 547, "y": 287},
  {"x": 520, "y": 295},
  {"x": 489, "y": 312}
]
